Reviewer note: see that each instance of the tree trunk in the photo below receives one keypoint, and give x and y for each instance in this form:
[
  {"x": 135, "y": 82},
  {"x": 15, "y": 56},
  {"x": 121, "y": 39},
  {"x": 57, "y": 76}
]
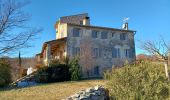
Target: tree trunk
[{"x": 166, "y": 70}]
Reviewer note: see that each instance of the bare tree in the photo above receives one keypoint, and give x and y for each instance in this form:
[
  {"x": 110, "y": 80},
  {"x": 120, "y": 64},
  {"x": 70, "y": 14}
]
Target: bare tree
[
  {"x": 14, "y": 31},
  {"x": 86, "y": 58},
  {"x": 160, "y": 49}
]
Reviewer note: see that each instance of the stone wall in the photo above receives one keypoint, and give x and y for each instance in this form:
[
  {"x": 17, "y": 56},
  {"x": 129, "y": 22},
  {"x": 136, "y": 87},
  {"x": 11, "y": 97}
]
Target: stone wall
[
  {"x": 94, "y": 93},
  {"x": 105, "y": 61}
]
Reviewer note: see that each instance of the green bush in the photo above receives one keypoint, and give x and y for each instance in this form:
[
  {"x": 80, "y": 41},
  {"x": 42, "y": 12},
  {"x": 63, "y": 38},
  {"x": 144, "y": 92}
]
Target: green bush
[
  {"x": 5, "y": 72},
  {"x": 75, "y": 69},
  {"x": 55, "y": 72},
  {"x": 142, "y": 81},
  {"x": 42, "y": 76}
]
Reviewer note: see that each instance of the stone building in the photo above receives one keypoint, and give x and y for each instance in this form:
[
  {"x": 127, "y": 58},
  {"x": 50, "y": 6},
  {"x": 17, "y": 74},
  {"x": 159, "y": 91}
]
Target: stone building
[{"x": 99, "y": 48}]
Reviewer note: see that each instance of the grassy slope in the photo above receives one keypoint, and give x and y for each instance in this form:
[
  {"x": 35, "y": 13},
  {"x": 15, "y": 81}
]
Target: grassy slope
[{"x": 54, "y": 91}]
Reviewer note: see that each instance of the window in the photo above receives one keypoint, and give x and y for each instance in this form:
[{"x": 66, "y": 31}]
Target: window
[
  {"x": 96, "y": 70},
  {"x": 116, "y": 52},
  {"x": 81, "y": 22},
  {"x": 123, "y": 36},
  {"x": 113, "y": 34},
  {"x": 131, "y": 53},
  {"x": 127, "y": 53},
  {"x": 76, "y": 51},
  {"x": 103, "y": 35},
  {"x": 94, "y": 34},
  {"x": 76, "y": 32},
  {"x": 96, "y": 52}
]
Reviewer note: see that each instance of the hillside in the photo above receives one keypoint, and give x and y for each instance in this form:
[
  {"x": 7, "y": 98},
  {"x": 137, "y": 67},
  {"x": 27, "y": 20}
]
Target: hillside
[{"x": 53, "y": 91}]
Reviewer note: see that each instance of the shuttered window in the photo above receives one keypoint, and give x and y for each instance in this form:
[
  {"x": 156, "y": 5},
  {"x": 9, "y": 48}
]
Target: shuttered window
[
  {"x": 76, "y": 32},
  {"x": 129, "y": 53},
  {"x": 94, "y": 34},
  {"x": 123, "y": 36},
  {"x": 96, "y": 52},
  {"x": 75, "y": 51},
  {"x": 116, "y": 52},
  {"x": 104, "y": 35}
]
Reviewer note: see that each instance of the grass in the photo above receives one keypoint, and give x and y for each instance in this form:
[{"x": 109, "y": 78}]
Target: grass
[{"x": 52, "y": 91}]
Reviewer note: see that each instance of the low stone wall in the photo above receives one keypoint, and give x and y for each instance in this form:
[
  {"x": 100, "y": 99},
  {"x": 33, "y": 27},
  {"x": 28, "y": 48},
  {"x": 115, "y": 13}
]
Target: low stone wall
[{"x": 94, "y": 93}]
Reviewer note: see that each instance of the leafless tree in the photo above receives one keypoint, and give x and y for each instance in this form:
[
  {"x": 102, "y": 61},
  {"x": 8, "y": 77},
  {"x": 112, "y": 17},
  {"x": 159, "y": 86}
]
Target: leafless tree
[
  {"x": 14, "y": 31},
  {"x": 86, "y": 58},
  {"x": 160, "y": 49}
]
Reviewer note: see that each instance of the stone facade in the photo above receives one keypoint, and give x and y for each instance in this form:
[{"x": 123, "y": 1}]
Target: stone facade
[{"x": 99, "y": 48}]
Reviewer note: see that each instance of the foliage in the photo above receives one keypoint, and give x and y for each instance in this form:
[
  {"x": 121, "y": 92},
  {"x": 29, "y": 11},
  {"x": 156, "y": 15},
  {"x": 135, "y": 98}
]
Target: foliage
[
  {"x": 141, "y": 81},
  {"x": 5, "y": 73},
  {"x": 75, "y": 69},
  {"x": 58, "y": 73},
  {"x": 41, "y": 76},
  {"x": 55, "y": 72}
]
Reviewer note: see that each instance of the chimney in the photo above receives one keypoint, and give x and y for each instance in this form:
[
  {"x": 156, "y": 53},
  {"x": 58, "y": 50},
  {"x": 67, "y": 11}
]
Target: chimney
[
  {"x": 86, "y": 21},
  {"x": 125, "y": 26}
]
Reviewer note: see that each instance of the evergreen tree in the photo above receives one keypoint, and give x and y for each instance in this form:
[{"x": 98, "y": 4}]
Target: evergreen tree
[
  {"x": 75, "y": 69},
  {"x": 19, "y": 64}
]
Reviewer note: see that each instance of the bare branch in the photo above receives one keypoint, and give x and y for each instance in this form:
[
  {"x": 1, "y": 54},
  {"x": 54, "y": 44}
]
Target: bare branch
[
  {"x": 14, "y": 32},
  {"x": 159, "y": 49}
]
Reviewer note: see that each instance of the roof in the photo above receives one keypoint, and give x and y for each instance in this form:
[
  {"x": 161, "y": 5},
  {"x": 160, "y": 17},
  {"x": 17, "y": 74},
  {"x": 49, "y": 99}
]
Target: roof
[
  {"x": 108, "y": 28},
  {"x": 83, "y": 14},
  {"x": 51, "y": 42}
]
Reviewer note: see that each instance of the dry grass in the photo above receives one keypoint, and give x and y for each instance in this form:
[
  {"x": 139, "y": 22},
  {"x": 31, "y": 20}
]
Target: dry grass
[{"x": 54, "y": 91}]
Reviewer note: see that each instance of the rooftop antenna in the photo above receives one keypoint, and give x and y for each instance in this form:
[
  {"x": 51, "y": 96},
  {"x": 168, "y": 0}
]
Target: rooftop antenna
[
  {"x": 125, "y": 20},
  {"x": 125, "y": 23}
]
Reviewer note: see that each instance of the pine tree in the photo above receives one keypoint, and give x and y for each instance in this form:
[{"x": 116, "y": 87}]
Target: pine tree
[{"x": 75, "y": 70}]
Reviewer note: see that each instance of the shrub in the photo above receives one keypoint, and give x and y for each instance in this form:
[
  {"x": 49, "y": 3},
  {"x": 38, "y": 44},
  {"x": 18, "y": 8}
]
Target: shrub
[
  {"x": 55, "y": 72},
  {"x": 41, "y": 76},
  {"x": 5, "y": 72},
  {"x": 75, "y": 69},
  {"x": 58, "y": 73},
  {"x": 143, "y": 81}
]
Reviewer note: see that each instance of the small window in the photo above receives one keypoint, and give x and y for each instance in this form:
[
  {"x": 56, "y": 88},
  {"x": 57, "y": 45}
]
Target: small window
[
  {"x": 113, "y": 34},
  {"x": 116, "y": 52},
  {"x": 104, "y": 35},
  {"x": 76, "y": 32},
  {"x": 123, "y": 36},
  {"x": 94, "y": 34},
  {"x": 81, "y": 22}
]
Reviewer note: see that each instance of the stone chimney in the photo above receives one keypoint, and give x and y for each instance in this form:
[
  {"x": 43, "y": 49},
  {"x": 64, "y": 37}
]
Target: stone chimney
[
  {"x": 125, "y": 26},
  {"x": 86, "y": 21}
]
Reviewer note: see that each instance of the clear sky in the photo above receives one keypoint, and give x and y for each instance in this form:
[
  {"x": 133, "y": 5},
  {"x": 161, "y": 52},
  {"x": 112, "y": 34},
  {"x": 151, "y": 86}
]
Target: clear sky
[{"x": 150, "y": 18}]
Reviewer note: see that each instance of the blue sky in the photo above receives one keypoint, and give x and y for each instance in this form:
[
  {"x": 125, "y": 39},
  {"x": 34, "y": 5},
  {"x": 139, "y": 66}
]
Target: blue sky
[{"x": 150, "y": 18}]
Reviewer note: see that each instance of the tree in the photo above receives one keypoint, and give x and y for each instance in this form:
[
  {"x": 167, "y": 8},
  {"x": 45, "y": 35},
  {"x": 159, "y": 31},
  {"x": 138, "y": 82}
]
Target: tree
[
  {"x": 160, "y": 49},
  {"x": 75, "y": 69},
  {"x": 14, "y": 31},
  {"x": 86, "y": 58},
  {"x": 5, "y": 72},
  {"x": 19, "y": 65}
]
